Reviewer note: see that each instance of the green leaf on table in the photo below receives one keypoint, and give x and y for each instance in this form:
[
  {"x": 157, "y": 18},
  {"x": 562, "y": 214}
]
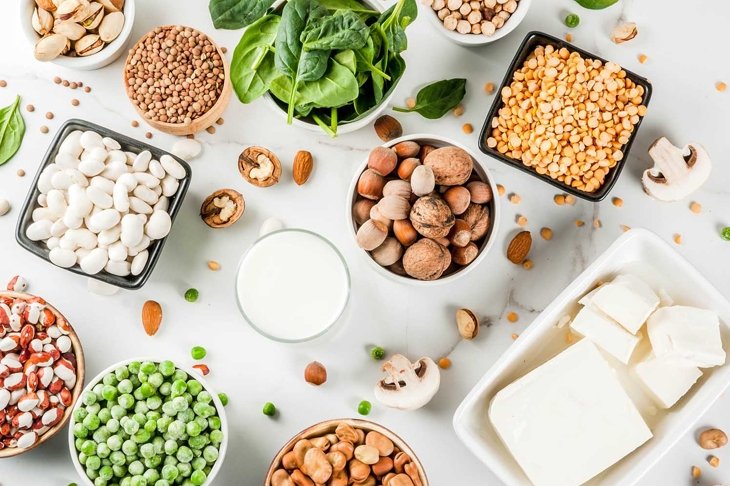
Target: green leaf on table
[
  {"x": 12, "y": 129},
  {"x": 253, "y": 65},
  {"x": 235, "y": 14},
  {"x": 436, "y": 99},
  {"x": 596, "y": 4}
]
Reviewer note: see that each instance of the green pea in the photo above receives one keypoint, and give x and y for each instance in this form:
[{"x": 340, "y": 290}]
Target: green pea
[
  {"x": 167, "y": 368},
  {"x": 204, "y": 397},
  {"x": 194, "y": 387},
  {"x": 223, "y": 398},
  {"x": 572, "y": 20},
  {"x": 198, "y": 478},
  {"x": 210, "y": 454},
  {"x": 163, "y": 423},
  {"x": 130, "y": 427},
  {"x": 133, "y": 367},
  {"x": 89, "y": 398},
  {"x": 118, "y": 412},
  {"x": 93, "y": 463},
  {"x": 138, "y": 480},
  {"x": 148, "y": 367},
  {"x": 214, "y": 423},
  {"x": 147, "y": 450},
  {"x": 117, "y": 458},
  {"x": 110, "y": 379},
  {"x": 121, "y": 373},
  {"x": 92, "y": 473},
  {"x": 185, "y": 416},
  {"x": 377, "y": 353},
  {"x": 725, "y": 233},
  {"x": 129, "y": 447},
  {"x": 193, "y": 429},
  {"x": 162, "y": 482},
  {"x": 88, "y": 447},
  {"x": 216, "y": 437},
  {"x": 198, "y": 442},
  {"x": 198, "y": 464},
  {"x": 91, "y": 422},
  {"x": 184, "y": 469},
  {"x": 198, "y": 352},
  {"x": 80, "y": 414},
  {"x": 364, "y": 407},
  {"x": 106, "y": 473},
  {"x": 269, "y": 409},
  {"x": 179, "y": 375},
  {"x": 101, "y": 434},
  {"x": 179, "y": 404},
  {"x": 114, "y": 442},
  {"x": 165, "y": 389},
  {"x": 136, "y": 468},
  {"x": 151, "y": 476},
  {"x": 184, "y": 454},
  {"x": 105, "y": 415},
  {"x": 93, "y": 409},
  {"x": 191, "y": 295},
  {"x": 126, "y": 400},
  {"x": 176, "y": 429},
  {"x": 178, "y": 388},
  {"x": 141, "y": 436},
  {"x": 169, "y": 472}
]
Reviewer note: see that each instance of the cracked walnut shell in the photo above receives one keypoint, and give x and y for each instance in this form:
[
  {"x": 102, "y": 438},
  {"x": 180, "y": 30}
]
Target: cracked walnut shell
[
  {"x": 222, "y": 208},
  {"x": 259, "y": 166}
]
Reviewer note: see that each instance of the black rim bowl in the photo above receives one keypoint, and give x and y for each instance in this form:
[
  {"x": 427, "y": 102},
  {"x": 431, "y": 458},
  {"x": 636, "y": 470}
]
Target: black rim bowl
[
  {"x": 532, "y": 40},
  {"x": 39, "y": 248}
]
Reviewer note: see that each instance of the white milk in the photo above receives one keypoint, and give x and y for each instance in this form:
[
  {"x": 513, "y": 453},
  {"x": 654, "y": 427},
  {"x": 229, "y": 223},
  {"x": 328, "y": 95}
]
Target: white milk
[{"x": 292, "y": 285}]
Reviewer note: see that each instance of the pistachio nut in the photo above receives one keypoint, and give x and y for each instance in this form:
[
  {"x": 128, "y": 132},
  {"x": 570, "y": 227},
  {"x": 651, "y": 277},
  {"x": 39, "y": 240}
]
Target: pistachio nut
[
  {"x": 111, "y": 26},
  {"x": 71, "y": 30},
  {"x": 88, "y": 45},
  {"x": 42, "y": 21},
  {"x": 51, "y": 46},
  {"x": 112, "y": 5},
  {"x": 47, "y": 5},
  {"x": 68, "y": 9},
  {"x": 92, "y": 16}
]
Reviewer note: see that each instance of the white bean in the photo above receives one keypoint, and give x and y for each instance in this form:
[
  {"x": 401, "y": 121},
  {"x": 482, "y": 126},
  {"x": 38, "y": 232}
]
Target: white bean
[
  {"x": 95, "y": 261},
  {"x": 121, "y": 198},
  {"x": 139, "y": 262},
  {"x": 186, "y": 148},
  {"x": 79, "y": 204},
  {"x": 81, "y": 253},
  {"x": 66, "y": 161},
  {"x": 77, "y": 177},
  {"x": 158, "y": 226},
  {"x": 147, "y": 179},
  {"x": 72, "y": 221},
  {"x": 52, "y": 242},
  {"x": 99, "y": 198},
  {"x": 105, "y": 219},
  {"x": 156, "y": 169},
  {"x": 116, "y": 156},
  {"x": 163, "y": 204},
  {"x": 58, "y": 229},
  {"x": 129, "y": 180},
  {"x": 143, "y": 245},
  {"x": 139, "y": 206},
  {"x": 120, "y": 269},
  {"x": 114, "y": 170},
  {"x": 110, "y": 143},
  {"x": 109, "y": 236},
  {"x": 158, "y": 190},
  {"x": 103, "y": 183},
  {"x": 56, "y": 203},
  {"x": 42, "y": 201},
  {"x": 90, "y": 139},
  {"x": 132, "y": 230},
  {"x": 146, "y": 194},
  {"x": 39, "y": 214},
  {"x": 40, "y": 230},
  {"x": 117, "y": 252},
  {"x": 61, "y": 180},
  {"x": 169, "y": 186},
  {"x": 44, "y": 180},
  {"x": 62, "y": 258},
  {"x": 96, "y": 153},
  {"x": 142, "y": 161},
  {"x": 130, "y": 156},
  {"x": 172, "y": 166},
  {"x": 91, "y": 167},
  {"x": 83, "y": 238},
  {"x": 67, "y": 243},
  {"x": 72, "y": 144}
]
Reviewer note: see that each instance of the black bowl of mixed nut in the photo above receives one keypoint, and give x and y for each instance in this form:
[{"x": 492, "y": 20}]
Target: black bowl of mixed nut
[{"x": 565, "y": 116}]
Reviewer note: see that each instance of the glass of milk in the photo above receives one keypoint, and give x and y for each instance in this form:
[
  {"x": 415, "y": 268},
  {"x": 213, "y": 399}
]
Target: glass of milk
[{"x": 292, "y": 285}]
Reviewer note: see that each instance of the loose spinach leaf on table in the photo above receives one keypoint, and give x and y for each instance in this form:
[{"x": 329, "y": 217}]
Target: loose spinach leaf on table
[
  {"x": 253, "y": 66},
  {"x": 12, "y": 129},
  {"x": 596, "y": 4},
  {"x": 342, "y": 30},
  {"x": 436, "y": 99},
  {"x": 234, "y": 14}
]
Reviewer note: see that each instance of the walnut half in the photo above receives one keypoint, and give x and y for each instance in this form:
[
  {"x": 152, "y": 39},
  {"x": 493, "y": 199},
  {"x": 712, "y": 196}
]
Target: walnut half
[
  {"x": 222, "y": 208},
  {"x": 259, "y": 166}
]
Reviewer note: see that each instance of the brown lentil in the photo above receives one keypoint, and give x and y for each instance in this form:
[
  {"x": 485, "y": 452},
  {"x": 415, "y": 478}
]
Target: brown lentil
[
  {"x": 515, "y": 198},
  {"x": 148, "y": 135},
  {"x": 220, "y": 121},
  {"x": 695, "y": 207},
  {"x": 696, "y": 472},
  {"x": 49, "y": 116},
  {"x": 75, "y": 102},
  {"x": 467, "y": 128},
  {"x": 135, "y": 123},
  {"x": 643, "y": 58},
  {"x": 515, "y": 336},
  {"x": 57, "y": 80},
  {"x": 73, "y": 85},
  {"x": 30, "y": 108},
  {"x": 44, "y": 129},
  {"x": 210, "y": 129},
  {"x": 546, "y": 233},
  {"x": 597, "y": 223},
  {"x": 625, "y": 228},
  {"x": 65, "y": 83},
  {"x": 87, "y": 89},
  {"x": 569, "y": 37},
  {"x": 579, "y": 223},
  {"x": 570, "y": 199},
  {"x": 175, "y": 74},
  {"x": 224, "y": 50},
  {"x": 559, "y": 199},
  {"x": 21, "y": 173},
  {"x": 459, "y": 110},
  {"x": 3, "y": 83},
  {"x": 567, "y": 117}
]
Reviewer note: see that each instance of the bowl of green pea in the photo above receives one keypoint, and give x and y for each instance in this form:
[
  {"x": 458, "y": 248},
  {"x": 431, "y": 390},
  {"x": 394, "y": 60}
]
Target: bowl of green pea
[{"x": 147, "y": 422}]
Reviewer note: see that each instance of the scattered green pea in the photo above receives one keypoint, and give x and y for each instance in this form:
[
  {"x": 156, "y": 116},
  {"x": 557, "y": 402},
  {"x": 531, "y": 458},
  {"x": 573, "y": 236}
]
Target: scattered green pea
[
  {"x": 364, "y": 407},
  {"x": 572, "y": 20},
  {"x": 223, "y": 398},
  {"x": 725, "y": 233},
  {"x": 377, "y": 353},
  {"x": 191, "y": 295},
  {"x": 198, "y": 352},
  {"x": 269, "y": 409}
]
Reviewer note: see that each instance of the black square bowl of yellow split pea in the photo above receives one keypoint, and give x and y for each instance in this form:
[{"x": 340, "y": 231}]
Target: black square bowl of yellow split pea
[{"x": 565, "y": 116}]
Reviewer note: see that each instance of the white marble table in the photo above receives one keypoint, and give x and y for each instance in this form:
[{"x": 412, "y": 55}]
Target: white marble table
[{"x": 681, "y": 40}]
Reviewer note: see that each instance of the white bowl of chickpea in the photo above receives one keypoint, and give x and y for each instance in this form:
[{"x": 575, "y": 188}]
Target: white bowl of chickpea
[{"x": 475, "y": 22}]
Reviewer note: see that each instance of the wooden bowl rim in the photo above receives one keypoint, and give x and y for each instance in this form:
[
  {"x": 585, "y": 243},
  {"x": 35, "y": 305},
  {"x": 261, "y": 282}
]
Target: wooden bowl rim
[
  {"x": 223, "y": 97},
  {"x": 328, "y": 426},
  {"x": 78, "y": 387}
]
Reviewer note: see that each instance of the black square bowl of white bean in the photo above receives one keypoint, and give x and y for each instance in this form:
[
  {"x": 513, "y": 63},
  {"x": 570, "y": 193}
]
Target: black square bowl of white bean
[
  {"x": 566, "y": 116},
  {"x": 102, "y": 204}
]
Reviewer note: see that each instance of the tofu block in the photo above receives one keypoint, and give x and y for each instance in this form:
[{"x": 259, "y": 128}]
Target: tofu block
[
  {"x": 627, "y": 300},
  {"x": 605, "y": 333},
  {"x": 569, "y": 419},
  {"x": 665, "y": 381},
  {"x": 686, "y": 335}
]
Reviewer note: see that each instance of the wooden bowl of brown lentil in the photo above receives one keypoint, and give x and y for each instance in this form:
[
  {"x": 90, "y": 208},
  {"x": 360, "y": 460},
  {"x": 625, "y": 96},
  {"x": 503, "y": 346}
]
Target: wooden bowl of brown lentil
[{"x": 176, "y": 78}]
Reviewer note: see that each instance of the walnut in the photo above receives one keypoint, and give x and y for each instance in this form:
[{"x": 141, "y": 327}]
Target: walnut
[{"x": 432, "y": 217}]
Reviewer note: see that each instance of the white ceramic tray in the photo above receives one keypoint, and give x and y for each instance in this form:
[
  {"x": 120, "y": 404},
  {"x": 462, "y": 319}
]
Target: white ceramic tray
[{"x": 644, "y": 254}]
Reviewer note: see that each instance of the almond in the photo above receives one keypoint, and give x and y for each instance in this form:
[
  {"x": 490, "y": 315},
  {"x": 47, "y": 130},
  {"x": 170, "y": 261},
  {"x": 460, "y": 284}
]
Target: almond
[
  {"x": 303, "y": 165},
  {"x": 151, "y": 317},
  {"x": 519, "y": 247}
]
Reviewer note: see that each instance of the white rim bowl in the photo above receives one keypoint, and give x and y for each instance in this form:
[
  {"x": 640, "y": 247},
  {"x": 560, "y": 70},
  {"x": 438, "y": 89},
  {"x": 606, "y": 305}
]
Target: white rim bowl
[
  {"x": 477, "y": 39},
  {"x": 222, "y": 449},
  {"x": 436, "y": 141},
  {"x": 107, "y": 55}
]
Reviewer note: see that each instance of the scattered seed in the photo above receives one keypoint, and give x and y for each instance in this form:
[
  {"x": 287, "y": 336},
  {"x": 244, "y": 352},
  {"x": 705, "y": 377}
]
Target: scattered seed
[
  {"x": 49, "y": 116},
  {"x": 214, "y": 265},
  {"x": 198, "y": 352},
  {"x": 625, "y": 228},
  {"x": 546, "y": 233},
  {"x": 220, "y": 121},
  {"x": 269, "y": 409},
  {"x": 73, "y": 85},
  {"x": 521, "y": 221},
  {"x": 411, "y": 102},
  {"x": 467, "y": 128},
  {"x": 3, "y": 83},
  {"x": 643, "y": 58},
  {"x": 210, "y": 129},
  {"x": 57, "y": 80},
  {"x": 75, "y": 102},
  {"x": 695, "y": 207},
  {"x": 203, "y": 368},
  {"x": 569, "y": 37},
  {"x": 459, "y": 110},
  {"x": 148, "y": 135},
  {"x": 30, "y": 108},
  {"x": 515, "y": 336},
  {"x": 377, "y": 353},
  {"x": 512, "y": 317},
  {"x": 44, "y": 129},
  {"x": 65, "y": 83},
  {"x": 579, "y": 223},
  {"x": 223, "y": 398},
  {"x": 559, "y": 199},
  {"x": 569, "y": 199},
  {"x": 714, "y": 461},
  {"x": 515, "y": 198},
  {"x": 87, "y": 89},
  {"x": 135, "y": 123},
  {"x": 678, "y": 238},
  {"x": 444, "y": 363},
  {"x": 597, "y": 223},
  {"x": 721, "y": 86},
  {"x": 500, "y": 189},
  {"x": 489, "y": 88},
  {"x": 364, "y": 407},
  {"x": 696, "y": 472},
  {"x": 191, "y": 295},
  {"x": 21, "y": 173},
  {"x": 224, "y": 50},
  {"x": 80, "y": 84},
  {"x": 617, "y": 201},
  {"x": 528, "y": 264}
]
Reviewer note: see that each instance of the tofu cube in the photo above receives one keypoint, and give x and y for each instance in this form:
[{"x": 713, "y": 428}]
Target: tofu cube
[
  {"x": 628, "y": 300},
  {"x": 569, "y": 419},
  {"x": 665, "y": 381},
  {"x": 686, "y": 335},
  {"x": 605, "y": 333}
]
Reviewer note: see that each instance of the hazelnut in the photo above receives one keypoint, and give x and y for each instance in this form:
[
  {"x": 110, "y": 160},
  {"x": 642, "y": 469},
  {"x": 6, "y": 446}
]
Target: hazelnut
[
  {"x": 388, "y": 128},
  {"x": 426, "y": 260},
  {"x": 376, "y": 215},
  {"x": 382, "y": 160},
  {"x": 432, "y": 217},
  {"x": 478, "y": 218},
  {"x": 451, "y": 166},
  {"x": 361, "y": 210},
  {"x": 405, "y": 232},
  {"x": 422, "y": 181},
  {"x": 425, "y": 150},
  {"x": 464, "y": 255},
  {"x": 407, "y": 149},
  {"x": 388, "y": 253},
  {"x": 370, "y": 185},
  {"x": 481, "y": 192},
  {"x": 315, "y": 373},
  {"x": 460, "y": 234},
  {"x": 406, "y": 168},
  {"x": 397, "y": 187},
  {"x": 458, "y": 199},
  {"x": 371, "y": 234},
  {"x": 397, "y": 268},
  {"x": 394, "y": 207}
]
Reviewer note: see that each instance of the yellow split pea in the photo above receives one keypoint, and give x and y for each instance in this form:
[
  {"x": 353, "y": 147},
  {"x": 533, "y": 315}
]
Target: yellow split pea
[{"x": 567, "y": 117}]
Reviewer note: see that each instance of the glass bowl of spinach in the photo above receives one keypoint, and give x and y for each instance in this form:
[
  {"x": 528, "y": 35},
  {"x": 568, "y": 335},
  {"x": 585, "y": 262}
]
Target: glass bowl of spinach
[{"x": 325, "y": 64}]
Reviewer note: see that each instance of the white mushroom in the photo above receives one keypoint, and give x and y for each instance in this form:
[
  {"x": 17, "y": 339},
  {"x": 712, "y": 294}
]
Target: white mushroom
[
  {"x": 677, "y": 172},
  {"x": 408, "y": 386}
]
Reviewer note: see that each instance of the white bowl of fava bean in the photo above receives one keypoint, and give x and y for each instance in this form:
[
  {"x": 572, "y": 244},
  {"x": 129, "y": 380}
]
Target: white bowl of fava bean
[{"x": 166, "y": 422}]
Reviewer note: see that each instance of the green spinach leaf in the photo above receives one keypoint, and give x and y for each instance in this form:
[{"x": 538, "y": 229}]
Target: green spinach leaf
[
  {"x": 337, "y": 87},
  {"x": 352, "y": 5},
  {"x": 12, "y": 129},
  {"x": 253, "y": 65},
  {"x": 436, "y": 99},
  {"x": 596, "y": 4},
  {"x": 365, "y": 57},
  {"x": 342, "y": 30},
  {"x": 347, "y": 59},
  {"x": 235, "y": 14}
]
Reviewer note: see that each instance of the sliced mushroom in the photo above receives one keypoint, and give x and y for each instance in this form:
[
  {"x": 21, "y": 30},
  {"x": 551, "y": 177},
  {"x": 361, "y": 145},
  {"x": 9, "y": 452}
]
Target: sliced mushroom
[
  {"x": 259, "y": 166},
  {"x": 677, "y": 172},
  {"x": 222, "y": 208},
  {"x": 408, "y": 386}
]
